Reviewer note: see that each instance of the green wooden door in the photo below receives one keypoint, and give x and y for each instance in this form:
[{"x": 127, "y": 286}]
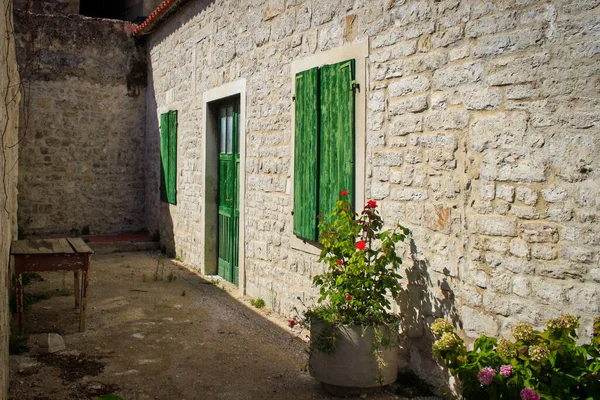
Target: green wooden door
[{"x": 229, "y": 167}]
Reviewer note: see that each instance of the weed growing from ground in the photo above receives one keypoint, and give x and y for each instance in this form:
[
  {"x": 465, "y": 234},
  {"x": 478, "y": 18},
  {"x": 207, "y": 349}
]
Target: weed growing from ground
[{"x": 258, "y": 303}]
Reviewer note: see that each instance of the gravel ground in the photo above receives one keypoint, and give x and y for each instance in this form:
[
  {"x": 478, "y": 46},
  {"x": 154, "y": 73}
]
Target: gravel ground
[{"x": 156, "y": 330}]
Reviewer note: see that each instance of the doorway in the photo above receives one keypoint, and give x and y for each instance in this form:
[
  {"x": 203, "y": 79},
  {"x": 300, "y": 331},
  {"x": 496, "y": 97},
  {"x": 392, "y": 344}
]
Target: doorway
[
  {"x": 223, "y": 182},
  {"x": 229, "y": 189}
]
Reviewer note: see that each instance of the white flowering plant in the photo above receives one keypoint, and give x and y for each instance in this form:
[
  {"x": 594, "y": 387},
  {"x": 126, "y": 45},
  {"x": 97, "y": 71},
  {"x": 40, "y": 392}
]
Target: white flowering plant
[{"x": 535, "y": 365}]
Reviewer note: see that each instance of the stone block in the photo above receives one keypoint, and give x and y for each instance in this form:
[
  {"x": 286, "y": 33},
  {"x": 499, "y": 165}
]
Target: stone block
[
  {"x": 521, "y": 286},
  {"x": 554, "y": 194},
  {"x": 506, "y": 192},
  {"x": 481, "y": 98},
  {"x": 525, "y": 212},
  {"x": 408, "y": 123},
  {"x": 487, "y": 190},
  {"x": 503, "y": 130},
  {"x": 403, "y": 49},
  {"x": 476, "y": 323},
  {"x": 509, "y": 70},
  {"x": 411, "y": 13},
  {"x": 447, "y": 37},
  {"x": 544, "y": 252},
  {"x": 495, "y": 226},
  {"x": 409, "y": 85},
  {"x": 519, "y": 248},
  {"x": 511, "y": 166},
  {"x": 387, "y": 158},
  {"x": 578, "y": 254},
  {"x": 409, "y": 105},
  {"x": 585, "y": 298},
  {"x": 433, "y": 141},
  {"x": 409, "y": 194},
  {"x": 51, "y": 343},
  {"x": 446, "y": 119},
  {"x": 553, "y": 293},
  {"x": 457, "y": 74},
  {"x": 490, "y": 24},
  {"x": 480, "y": 278},
  {"x": 519, "y": 92},
  {"x": 534, "y": 232},
  {"x": 526, "y": 195},
  {"x": 506, "y": 42},
  {"x": 559, "y": 213}
]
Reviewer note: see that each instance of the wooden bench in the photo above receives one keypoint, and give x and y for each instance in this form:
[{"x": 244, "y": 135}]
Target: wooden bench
[{"x": 43, "y": 255}]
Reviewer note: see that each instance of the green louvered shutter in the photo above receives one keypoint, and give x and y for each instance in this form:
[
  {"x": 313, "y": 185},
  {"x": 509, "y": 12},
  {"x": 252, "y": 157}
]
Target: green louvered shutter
[
  {"x": 164, "y": 155},
  {"x": 172, "y": 172},
  {"x": 336, "y": 134},
  {"x": 305, "y": 154}
]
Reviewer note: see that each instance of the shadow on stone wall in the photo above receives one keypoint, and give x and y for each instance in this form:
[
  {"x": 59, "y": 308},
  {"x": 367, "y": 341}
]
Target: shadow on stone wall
[{"x": 423, "y": 300}]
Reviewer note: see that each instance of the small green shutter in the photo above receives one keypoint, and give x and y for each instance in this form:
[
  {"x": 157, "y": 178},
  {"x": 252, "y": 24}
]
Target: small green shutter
[
  {"x": 336, "y": 134},
  {"x": 305, "y": 154},
  {"x": 164, "y": 155},
  {"x": 172, "y": 174}
]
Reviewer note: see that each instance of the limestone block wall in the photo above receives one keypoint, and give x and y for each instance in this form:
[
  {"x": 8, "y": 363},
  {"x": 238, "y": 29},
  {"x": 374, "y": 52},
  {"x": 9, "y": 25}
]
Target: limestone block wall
[
  {"x": 482, "y": 130},
  {"x": 82, "y": 151},
  {"x": 9, "y": 115}
]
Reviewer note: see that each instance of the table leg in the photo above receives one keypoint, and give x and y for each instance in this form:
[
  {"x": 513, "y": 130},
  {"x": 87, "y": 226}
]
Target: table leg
[
  {"x": 20, "y": 316},
  {"x": 83, "y": 306},
  {"x": 76, "y": 283}
]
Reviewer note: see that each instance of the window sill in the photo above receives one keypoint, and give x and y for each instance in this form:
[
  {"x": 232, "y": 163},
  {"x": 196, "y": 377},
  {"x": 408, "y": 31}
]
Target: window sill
[{"x": 305, "y": 245}]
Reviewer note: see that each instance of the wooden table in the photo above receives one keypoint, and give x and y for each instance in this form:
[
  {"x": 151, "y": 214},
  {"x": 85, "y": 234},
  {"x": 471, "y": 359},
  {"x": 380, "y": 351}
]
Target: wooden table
[{"x": 71, "y": 254}]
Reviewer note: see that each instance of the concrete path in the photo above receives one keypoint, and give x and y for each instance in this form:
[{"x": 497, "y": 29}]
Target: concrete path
[{"x": 158, "y": 331}]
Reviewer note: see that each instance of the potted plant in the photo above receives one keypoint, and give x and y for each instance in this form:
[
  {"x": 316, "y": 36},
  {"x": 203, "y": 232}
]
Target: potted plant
[
  {"x": 535, "y": 365},
  {"x": 354, "y": 334}
]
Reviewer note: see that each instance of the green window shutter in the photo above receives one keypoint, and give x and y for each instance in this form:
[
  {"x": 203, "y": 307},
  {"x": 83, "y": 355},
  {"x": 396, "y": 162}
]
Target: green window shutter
[
  {"x": 336, "y": 132},
  {"x": 164, "y": 155},
  {"x": 305, "y": 154},
  {"x": 172, "y": 172}
]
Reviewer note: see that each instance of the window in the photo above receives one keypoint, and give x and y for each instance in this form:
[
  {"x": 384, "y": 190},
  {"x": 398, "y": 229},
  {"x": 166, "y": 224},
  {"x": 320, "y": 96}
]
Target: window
[
  {"x": 324, "y": 143},
  {"x": 168, "y": 157}
]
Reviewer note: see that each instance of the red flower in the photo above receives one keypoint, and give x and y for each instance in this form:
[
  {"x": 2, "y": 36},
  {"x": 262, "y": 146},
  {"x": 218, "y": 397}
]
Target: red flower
[
  {"x": 361, "y": 245},
  {"x": 348, "y": 296},
  {"x": 372, "y": 204},
  {"x": 292, "y": 323},
  {"x": 344, "y": 193},
  {"x": 340, "y": 262}
]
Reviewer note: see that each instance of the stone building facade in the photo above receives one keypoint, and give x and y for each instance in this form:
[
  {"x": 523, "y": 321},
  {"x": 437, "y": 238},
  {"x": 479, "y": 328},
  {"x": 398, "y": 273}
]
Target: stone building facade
[
  {"x": 9, "y": 115},
  {"x": 481, "y": 130},
  {"x": 83, "y": 124}
]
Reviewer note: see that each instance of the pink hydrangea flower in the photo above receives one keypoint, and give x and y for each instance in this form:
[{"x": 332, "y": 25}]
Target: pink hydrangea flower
[
  {"x": 529, "y": 394},
  {"x": 506, "y": 370},
  {"x": 486, "y": 376}
]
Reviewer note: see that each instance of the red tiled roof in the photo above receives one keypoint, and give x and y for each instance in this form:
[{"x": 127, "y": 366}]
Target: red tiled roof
[{"x": 155, "y": 16}]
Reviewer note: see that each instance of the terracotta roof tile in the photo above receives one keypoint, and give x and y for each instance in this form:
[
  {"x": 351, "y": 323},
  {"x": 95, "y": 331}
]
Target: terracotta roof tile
[{"x": 154, "y": 17}]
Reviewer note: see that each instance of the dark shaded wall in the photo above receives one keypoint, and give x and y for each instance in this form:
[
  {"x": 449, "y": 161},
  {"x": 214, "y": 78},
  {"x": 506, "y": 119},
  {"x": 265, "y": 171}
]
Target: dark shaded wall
[
  {"x": 83, "y": 119},
  {"x": 48, "y": 6}
]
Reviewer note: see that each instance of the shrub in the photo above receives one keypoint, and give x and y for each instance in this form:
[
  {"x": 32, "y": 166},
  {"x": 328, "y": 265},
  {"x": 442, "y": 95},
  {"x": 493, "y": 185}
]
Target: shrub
[{"x": 535, "y": 365}]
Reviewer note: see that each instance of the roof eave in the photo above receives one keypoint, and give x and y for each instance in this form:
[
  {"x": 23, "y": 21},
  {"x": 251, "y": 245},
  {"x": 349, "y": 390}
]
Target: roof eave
[{"x": 164, "y": 9}]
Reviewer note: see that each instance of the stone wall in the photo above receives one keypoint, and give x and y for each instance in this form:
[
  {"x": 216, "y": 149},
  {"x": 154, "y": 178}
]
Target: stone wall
[
  {"x": 9, "y": 115},
  {"x": 48, "y": 6},
  {"x": 81, "y": 157},
  {"x": 482, "y": 129}
]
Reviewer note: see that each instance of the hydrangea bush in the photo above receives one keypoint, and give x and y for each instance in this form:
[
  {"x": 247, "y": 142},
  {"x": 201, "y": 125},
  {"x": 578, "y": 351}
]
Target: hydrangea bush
[{"x": 535, "y": 365}]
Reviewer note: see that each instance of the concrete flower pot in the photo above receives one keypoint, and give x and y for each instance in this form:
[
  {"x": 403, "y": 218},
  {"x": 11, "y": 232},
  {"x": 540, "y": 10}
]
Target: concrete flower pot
[{"x": 351, "y": 366}]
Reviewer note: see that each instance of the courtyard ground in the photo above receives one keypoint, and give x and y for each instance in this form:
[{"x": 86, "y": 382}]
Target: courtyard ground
[{"x": 156, "y": 330}]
